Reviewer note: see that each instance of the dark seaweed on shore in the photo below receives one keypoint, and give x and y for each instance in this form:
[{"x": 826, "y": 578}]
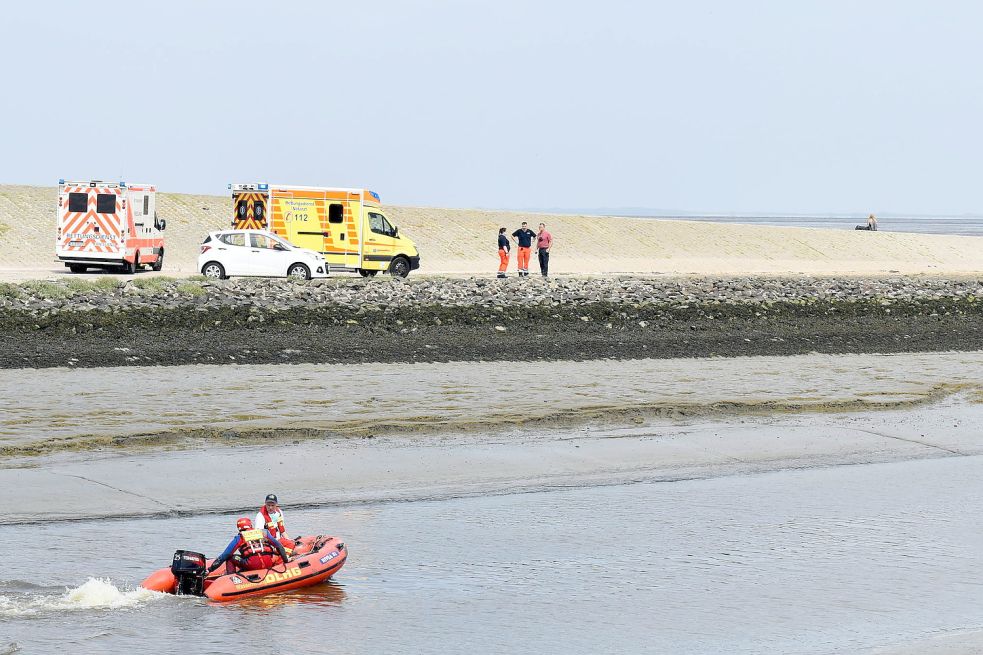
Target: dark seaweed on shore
[{"x": 162, "y": 321}]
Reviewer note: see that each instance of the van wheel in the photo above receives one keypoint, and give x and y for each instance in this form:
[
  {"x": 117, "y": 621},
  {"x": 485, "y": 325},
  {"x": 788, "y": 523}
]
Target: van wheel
[
  {"x": 365, "y": 273},
  {"x": 299, "y": 271},
  {"x": 213, "y": 271},
  {"x": 159, "y": 264},
  {"x": 131, "y": 267},
  {"x": 400, "y": 267},
  {"x": 77, "y": 268}
]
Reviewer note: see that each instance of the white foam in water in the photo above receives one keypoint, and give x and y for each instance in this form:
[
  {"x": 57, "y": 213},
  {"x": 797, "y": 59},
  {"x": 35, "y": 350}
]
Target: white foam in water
[{"x": 94, "y": 594}]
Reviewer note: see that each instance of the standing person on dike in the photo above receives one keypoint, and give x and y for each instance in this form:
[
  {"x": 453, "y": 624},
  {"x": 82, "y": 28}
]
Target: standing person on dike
[
  {"x": 270, "y": 516},
  {"x": 523, "y": 237},
  {"x": 544, "y": 241},
  {"x": 503, "y": 252}
]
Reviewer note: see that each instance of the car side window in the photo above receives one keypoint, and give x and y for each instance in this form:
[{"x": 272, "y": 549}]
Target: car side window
[
  {"x": 235, "y": 239},
  {"x": 261, "y": 241}
]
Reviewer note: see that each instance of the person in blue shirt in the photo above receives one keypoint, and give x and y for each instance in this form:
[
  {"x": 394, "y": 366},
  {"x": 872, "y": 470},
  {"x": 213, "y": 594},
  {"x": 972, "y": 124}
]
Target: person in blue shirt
[{"x": 250, "y": 549}]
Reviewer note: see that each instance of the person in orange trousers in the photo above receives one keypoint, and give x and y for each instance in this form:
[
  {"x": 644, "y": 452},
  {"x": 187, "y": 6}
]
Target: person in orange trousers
[
  {"x": 503, "y": 252},
  {"x": 523, "y": 238}
]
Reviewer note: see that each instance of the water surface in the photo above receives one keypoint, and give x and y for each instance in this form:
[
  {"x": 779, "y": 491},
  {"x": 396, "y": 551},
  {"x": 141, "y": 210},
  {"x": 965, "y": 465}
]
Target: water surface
[{"x": 831, "y": 560}]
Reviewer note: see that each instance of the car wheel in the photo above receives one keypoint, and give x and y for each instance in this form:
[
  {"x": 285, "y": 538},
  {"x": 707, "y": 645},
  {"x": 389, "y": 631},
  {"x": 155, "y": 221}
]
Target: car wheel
[
  {"x": 213, "y": 271},
  {"x": 76, "y": 268},
  {"x": 365, "y": 273},
  {"x": 299, "y": 271},
  {"x": 400, "y": 267},
  {"x": 159, "y": 264}
]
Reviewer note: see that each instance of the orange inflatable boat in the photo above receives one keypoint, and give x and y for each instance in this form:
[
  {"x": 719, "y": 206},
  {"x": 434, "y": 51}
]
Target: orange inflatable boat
[{"x": 315, "y": 559}]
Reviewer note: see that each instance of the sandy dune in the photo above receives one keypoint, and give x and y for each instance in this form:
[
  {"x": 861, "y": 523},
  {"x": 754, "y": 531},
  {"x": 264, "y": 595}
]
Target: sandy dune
[{"x": 462, "y": 241}]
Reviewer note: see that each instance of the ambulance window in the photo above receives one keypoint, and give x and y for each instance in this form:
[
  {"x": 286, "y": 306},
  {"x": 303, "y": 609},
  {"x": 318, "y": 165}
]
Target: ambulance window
[
  {"x": 336, "y": 213},
  {"x": 241, "y": 209},
  {"x": 258, "y": 210},
  {"x": 106, "y": 203},
  {"x": 377, "y": 223},
  {"x": 78, "y": 202},
  {"x": 390, "y": 231},
  {"x": 146, "y": 205}
]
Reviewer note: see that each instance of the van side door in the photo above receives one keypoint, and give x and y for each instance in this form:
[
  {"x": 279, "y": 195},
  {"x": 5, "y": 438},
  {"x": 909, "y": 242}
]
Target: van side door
[{"x": 379, "y": 238}]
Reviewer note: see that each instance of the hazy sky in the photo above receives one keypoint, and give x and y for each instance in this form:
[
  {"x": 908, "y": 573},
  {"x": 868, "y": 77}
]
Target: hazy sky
[{"x": 801, "y": 106}]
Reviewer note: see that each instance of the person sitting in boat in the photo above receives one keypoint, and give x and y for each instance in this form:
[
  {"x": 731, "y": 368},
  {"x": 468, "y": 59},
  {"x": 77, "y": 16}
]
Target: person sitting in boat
[
  {"x": 270, "y": 516},
  {"x": 250, "y": 549}
]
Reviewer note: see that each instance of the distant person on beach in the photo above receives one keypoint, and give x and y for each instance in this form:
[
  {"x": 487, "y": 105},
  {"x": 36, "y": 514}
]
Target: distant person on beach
[
  {"x": 504, "y": 247},
  {"x": 523, "y": 238},
  {"x": 871, "y": 225},
  {"x": 544, "y": 241}
]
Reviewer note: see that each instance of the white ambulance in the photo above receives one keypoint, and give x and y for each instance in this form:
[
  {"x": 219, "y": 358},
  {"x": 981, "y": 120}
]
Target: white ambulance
[{"x": 108, "y": 225}]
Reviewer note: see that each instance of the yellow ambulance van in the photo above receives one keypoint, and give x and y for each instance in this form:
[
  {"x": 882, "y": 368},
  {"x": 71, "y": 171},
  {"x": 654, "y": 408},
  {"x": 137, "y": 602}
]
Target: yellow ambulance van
[{"x": 348, "y": 226}]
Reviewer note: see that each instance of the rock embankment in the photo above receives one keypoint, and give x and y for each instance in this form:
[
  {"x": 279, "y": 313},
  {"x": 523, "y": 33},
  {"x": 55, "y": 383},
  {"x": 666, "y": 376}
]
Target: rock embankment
[{"x": 119, "y": 321}]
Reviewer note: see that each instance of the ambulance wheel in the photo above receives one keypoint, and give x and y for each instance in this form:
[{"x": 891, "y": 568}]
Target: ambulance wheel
[
  {"x": 213, "y": 270},
  {"x": 77, "y": 268},
  {"x": 131, "y": 267},
  {"x": 299, "y": 271},
  {"x": 159, "y": 264},
  {"x": 365, "y": 273},
  {"x": 400, "y": 267}
]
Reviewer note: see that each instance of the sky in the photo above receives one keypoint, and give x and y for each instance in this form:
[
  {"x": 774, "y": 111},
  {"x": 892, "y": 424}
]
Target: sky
[{"x": 755, "y": 106}]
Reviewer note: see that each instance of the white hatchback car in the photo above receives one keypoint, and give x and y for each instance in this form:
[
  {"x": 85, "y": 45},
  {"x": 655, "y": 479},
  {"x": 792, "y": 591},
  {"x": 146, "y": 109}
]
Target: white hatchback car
[{"x": 257, "y": 253}]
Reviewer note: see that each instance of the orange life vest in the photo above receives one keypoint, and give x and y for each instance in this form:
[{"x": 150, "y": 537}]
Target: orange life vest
[
  {"x": 276, "y": 528},
  {"x": 254, "y": 542}
]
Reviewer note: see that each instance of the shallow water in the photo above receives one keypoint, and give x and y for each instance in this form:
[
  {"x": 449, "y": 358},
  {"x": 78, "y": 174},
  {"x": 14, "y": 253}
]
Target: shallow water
[
  {"x": 448, "y": 396},
  {"x": 964, "y": 225},
  {"x": 828, "y": 560}
]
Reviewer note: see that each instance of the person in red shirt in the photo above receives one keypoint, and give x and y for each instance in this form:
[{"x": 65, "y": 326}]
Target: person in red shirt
[{"x": 544, "y": 241}]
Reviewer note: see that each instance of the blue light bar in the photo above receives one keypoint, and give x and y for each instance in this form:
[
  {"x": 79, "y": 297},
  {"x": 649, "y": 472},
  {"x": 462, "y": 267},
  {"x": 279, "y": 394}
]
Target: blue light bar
[
  {"x": 230, "y": 186},
  {"x": 376, "y": 196},
  {"x": 122, "y": 185},
  {"x": 263, "y": 187},
  {"x": 61, "y": 181}
]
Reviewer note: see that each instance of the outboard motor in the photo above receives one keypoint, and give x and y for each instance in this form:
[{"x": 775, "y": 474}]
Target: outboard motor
[{"x": 189, "y": 571}]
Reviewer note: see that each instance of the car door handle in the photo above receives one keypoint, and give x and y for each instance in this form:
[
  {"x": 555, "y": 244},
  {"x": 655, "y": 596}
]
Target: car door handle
[{"x": 255, "y": 251}]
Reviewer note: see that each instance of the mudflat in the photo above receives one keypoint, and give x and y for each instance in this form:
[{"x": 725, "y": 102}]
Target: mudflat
[{"x": 358, "y": 434}]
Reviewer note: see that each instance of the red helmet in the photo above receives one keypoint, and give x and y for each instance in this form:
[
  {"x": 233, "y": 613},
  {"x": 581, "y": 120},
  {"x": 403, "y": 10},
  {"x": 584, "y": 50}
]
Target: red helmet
[{"x": 244, "y": 524}]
